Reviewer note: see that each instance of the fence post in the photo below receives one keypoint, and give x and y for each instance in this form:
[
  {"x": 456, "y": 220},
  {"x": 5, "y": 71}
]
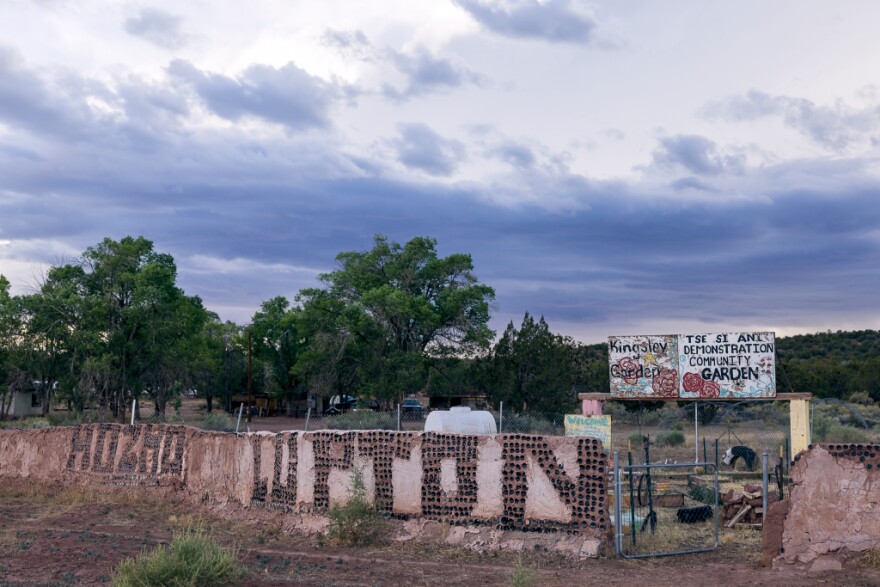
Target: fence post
[
  {"x": 632, "y": 500},
  {"x": 765, "y": 458},
  {"x": 705, "y": 458},
  {"x": 133, "y": 407},
  {"x": 696, "y": 435},
  {"x": 618, "y": 522},
  {"x": 398, "y": 417},
  {"x": 716, "y": 454},
  {"x": 500, "y": 417},
  {"x": 308, "y": 417},
  {"x": 238, "y": 424}
]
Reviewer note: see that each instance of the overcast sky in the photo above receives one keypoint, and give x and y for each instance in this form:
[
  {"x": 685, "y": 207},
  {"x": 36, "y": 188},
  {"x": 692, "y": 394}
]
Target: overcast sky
[{"x": 619, "y": 167}]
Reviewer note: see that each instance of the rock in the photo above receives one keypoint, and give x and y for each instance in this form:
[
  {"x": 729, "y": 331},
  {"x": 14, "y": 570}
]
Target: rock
[
  {"x": 825, "y": 563},
  {"x": 771, "y": 533}
]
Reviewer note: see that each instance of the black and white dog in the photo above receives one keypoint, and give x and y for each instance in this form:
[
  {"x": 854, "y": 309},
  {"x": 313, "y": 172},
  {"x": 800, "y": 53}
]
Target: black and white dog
[{"x": 736, "y": 452}]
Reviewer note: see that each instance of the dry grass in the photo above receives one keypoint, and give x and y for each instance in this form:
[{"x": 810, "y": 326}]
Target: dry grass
[{"x": 870, "y": 559}]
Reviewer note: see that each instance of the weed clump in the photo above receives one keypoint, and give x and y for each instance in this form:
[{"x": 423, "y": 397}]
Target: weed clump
[
  {"x": 522, "y": 575},
  {"x": 356, "y": 523},
  {"x": 191, "y": 560}
]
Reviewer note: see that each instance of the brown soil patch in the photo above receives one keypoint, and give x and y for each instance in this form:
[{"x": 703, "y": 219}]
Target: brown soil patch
[{"x": 74, "y": 537}]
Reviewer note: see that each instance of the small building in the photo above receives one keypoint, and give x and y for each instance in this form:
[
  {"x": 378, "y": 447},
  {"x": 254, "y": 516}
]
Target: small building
[{"x": 25, "y": 403}]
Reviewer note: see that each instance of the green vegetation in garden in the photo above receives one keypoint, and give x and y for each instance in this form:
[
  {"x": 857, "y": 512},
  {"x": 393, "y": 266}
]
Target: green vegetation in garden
[
  {"x": 357, "y": 523},
  {"x": 192, "y": 559}
]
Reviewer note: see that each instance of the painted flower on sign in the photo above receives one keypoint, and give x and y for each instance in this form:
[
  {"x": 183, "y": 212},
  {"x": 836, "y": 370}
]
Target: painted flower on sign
[
  {"x": 629, "y": 370},
  {"x": 711, "y": 389},
  {"x": 666, "y": 383},
  {"x": 692, "y": 382}
]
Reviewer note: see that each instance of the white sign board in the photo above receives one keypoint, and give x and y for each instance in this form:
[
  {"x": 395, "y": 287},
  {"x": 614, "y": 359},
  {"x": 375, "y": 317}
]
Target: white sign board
[{"x": 714, "y": 365}]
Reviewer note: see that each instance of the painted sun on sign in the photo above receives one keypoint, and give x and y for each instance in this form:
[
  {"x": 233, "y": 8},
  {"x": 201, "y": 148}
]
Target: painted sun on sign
[{"x": 691, "y": 366}]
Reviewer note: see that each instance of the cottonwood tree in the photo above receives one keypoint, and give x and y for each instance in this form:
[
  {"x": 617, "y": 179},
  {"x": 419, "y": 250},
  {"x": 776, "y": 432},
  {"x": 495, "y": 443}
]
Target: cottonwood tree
[
  {"x": 10, "y": 340},
  {"x": 385, "y": 313},
  {"x": 124, "y": 324},
  {"x": 275, "y": 343}
]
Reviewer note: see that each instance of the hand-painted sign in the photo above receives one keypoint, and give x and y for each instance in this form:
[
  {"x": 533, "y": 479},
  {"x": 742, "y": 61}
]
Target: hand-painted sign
[
  {"x": 644, "y": 366},
  {"x": 728, "y": 364},
  {"x": 592, "y": 426},
  {"x": 716, "y": 365}
]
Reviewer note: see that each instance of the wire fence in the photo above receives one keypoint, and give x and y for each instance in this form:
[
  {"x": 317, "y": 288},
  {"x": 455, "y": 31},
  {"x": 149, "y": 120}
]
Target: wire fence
[{"x": 677, "y": 432}]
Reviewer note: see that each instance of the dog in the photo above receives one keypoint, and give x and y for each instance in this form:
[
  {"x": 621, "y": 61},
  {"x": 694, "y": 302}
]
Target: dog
[
  {"x": 694, "y": 515},
  {"x": 739, "y": 452}
]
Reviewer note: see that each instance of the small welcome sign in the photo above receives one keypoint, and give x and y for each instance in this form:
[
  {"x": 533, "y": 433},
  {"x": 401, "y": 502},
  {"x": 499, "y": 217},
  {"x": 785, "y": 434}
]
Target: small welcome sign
[{"x": 592, "y": 426}]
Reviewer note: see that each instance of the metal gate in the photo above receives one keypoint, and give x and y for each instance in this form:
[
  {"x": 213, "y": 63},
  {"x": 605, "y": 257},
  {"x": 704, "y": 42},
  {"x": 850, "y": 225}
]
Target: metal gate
[{"x": 665, "y": 509}]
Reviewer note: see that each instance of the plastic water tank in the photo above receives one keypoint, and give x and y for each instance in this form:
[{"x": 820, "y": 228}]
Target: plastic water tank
[{"x": 461, "y": 420}]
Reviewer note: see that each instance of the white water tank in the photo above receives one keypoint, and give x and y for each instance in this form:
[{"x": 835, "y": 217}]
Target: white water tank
[{"x": 461, "y": 420}]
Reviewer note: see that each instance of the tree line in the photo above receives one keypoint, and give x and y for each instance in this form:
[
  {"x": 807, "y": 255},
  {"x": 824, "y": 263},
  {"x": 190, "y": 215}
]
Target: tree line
[{"x": 391, "y": 321}]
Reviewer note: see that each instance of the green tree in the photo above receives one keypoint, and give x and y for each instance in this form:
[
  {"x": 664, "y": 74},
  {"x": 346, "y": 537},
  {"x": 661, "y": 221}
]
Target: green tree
[
  {"x": 10, "y": 341},
  {"x": 530, "y": 368},
  {"x": 384, "y": 312},
  {"x": 145, "y": 323},
  {"x": 275, "y": 343}
]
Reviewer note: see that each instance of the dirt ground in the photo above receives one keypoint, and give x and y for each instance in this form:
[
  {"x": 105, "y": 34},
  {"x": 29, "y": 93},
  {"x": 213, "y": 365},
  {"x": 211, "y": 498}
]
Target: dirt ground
[{"x": 72, "y": 537}]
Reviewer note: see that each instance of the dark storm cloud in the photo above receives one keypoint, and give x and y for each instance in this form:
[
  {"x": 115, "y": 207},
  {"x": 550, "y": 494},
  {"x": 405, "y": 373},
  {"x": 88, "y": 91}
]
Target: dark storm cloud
[
  {"x": 426, "y": 73},
  {"x": 696, "y": 154},
  {"x": 42, "y": 106},
  {"x": 554, "y": 20},
  {"x": 421, "y": 148},
  {"x": 834, "y": 127},
  {"x": 157, "y": 27},
  {"x": 286, "y": 95},
  {"x": 249, "y": 218}
]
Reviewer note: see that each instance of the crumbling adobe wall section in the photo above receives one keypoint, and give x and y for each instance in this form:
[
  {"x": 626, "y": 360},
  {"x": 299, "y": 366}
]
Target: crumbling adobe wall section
[
  {"x": 835, "y": 502},
  {"x": 521, "y": 485}
]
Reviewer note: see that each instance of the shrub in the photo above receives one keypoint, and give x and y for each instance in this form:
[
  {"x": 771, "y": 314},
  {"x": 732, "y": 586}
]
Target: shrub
[
  {"x": 674, "y": 438},
  {"x": 702, "y": 494},
  {"x": 358, "y": 420},
  {"x": 522, "y": 575},
  {"x": 65, "y": 418},
  {"x": 191, "y": 560},
  {"x": 356, "y": 523},
  {"x": 637, "y": 439},
  {"x": 828, "y": 429},
  {"x": 530, "y": 424}
]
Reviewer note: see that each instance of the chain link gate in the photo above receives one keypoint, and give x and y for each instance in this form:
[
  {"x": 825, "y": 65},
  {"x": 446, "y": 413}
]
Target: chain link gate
[{"x": 665, "y": 509}]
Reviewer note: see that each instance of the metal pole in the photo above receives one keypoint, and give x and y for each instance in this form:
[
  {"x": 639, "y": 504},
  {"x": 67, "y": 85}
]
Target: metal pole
[
  {"x": 632, "y": 501},
  {"x": 308, "y": 417},
  {"x": 765, "y": 458},
  {"x": 500, "y": 416},
  {"x": 618, "y": 523},
  {"x": 696, "y": 436},
  {"x": 652, "y": 516},
  {"x": 716, "y": 454},
  {"x": 398, "y": 417},
  {"x": 133, "y": 406},
  {"x": 238, "y": 423},
  {"x": 250, "y": 372}
]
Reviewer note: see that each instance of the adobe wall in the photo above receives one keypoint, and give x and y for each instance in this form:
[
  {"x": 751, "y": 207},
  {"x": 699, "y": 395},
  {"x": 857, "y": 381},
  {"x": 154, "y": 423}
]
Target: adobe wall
[
  {"x": 508, "y": 491},
  {"x": 835, "y": 502}
]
